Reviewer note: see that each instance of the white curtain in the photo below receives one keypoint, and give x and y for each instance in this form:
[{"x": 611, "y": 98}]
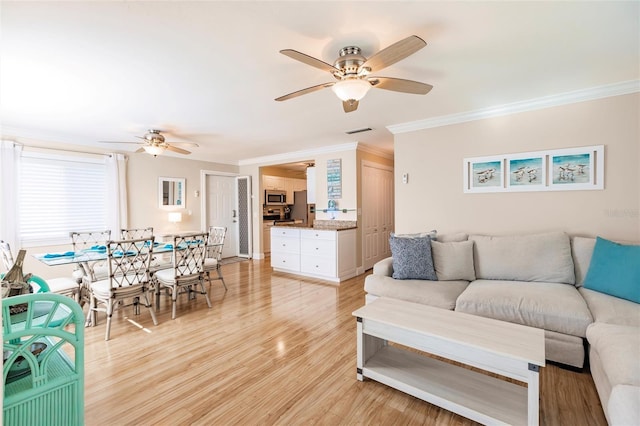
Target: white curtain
[
  {"x": 117, "y": 193},
  {"x": 9, "y": 164}
]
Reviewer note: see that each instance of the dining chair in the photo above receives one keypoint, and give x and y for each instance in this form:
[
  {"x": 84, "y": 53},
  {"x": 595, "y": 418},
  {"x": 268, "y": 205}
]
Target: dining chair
[
  {"x": 128, "y": 279},
  {"x": 136, "y": 233},
  {"x": 189, "y": 252},
  {"x": 215, "y": 244},
  {"x": 67, "y": 286}
]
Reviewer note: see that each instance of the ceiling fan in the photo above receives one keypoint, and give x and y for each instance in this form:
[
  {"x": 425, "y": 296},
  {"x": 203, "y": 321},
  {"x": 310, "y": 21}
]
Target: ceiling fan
[
  {"x": 155, "y": 144},
  {"x": 352, "y": 70}
]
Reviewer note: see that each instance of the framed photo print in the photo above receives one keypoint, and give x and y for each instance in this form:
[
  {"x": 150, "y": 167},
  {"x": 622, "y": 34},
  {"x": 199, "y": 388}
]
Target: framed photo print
[
  {"x": 484, "y": 174},
  {"x": 526, "y": 172},
  {"x": 576, "y": 168}
]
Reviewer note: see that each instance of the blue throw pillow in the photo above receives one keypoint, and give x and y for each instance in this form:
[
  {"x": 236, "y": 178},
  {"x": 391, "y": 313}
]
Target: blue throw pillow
[
  {"x": 412, "y": 258},
  {"x": 615, "y": 270}
]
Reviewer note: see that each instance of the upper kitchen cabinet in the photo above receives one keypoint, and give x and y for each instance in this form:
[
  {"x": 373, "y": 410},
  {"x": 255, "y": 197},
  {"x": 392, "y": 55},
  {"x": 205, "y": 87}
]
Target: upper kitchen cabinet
[
  {"x": 292, "y": 185},
  {"x": 311, "y": 185},
  {"x": 274, "y": 182}
]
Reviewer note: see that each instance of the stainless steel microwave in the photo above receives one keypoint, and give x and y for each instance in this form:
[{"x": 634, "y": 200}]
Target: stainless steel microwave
[{"x": 275, "y": 197}]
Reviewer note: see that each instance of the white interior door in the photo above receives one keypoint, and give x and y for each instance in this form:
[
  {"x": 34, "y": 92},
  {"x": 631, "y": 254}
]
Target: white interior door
[
  {"x": 377, "y": 213},
  {"x": 222, "y": 209}
]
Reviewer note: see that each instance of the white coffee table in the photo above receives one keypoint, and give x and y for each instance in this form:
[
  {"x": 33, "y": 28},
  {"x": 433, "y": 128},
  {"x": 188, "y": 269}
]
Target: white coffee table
[{"x": 499, "y": 347}]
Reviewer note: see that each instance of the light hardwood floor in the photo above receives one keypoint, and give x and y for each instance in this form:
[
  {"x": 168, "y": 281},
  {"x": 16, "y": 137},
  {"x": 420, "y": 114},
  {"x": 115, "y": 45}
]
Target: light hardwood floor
[{"x": 274, "y": 349}]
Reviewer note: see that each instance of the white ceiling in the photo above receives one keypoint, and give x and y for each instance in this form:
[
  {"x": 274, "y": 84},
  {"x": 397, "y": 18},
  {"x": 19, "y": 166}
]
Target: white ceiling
[{"x": 80, "y": 72}]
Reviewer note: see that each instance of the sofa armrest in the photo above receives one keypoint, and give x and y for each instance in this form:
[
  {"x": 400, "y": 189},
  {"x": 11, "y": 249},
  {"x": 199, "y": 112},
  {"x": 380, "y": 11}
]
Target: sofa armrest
[{"x": 384, "y": 267}]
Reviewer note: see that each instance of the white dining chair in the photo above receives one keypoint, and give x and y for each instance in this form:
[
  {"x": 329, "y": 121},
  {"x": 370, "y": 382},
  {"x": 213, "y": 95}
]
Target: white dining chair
[
  {"x": 128, "y": 280},
  {"x": 136, "y": 233},
  {"x": 215, "y": 244},
  {"x": 67, "y": 286},
  {"x": 186, "y": 274}
]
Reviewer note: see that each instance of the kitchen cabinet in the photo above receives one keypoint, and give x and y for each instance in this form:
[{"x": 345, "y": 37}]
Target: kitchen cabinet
[
  {"x": 325, "y": 254},
  {"x": 292, "y": 185},
  {"x": 273, "y": 182},
  {"x": 285, "y": 248},
  {"x": 311, "y": 185},
  {"x": 266, "y": 236}
]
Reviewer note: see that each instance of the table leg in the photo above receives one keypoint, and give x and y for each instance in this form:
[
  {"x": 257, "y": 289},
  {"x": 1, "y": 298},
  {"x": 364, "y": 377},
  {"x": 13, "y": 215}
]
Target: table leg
[
  {"x": 533, "y": 389},
  {"x": 367, "y": 346}
]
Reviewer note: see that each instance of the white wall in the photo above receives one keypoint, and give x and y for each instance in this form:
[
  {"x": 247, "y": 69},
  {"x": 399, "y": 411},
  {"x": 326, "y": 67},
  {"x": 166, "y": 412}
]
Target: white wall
[{"x": 433, "y": 198}]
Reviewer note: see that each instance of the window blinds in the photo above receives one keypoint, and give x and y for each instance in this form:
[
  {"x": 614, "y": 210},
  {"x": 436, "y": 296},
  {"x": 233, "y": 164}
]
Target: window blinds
[{"x": 60, "y": 194}]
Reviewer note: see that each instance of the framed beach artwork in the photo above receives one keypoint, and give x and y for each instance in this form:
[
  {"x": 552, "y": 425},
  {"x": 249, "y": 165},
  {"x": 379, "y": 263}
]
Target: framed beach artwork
[
  {"x": 576, "y": 168},
  {"x": 526, "y": 172},
  {"x": 484, "y": 174},
  {"x": 553, "y": 170}
]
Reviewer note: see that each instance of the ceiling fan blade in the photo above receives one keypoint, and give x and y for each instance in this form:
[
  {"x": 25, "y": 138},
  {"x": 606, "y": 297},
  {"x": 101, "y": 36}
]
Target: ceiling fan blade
[
  {"x": 136, "y": 143},
  {"x": 178, "y": 150},
  {"x": 187, "y": 144},
  {"x": 400, "y": 85},
  {"x": 350, "y": 105},
  {"x": 304, "y": 91},
  {"x": 139, "y": 150},
  {"x": 394, "y": 53},
  {"x": 310, "y": 60}
]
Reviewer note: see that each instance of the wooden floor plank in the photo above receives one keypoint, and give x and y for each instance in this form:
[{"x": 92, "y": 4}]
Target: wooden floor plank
[{"x": 273, "y": 349}]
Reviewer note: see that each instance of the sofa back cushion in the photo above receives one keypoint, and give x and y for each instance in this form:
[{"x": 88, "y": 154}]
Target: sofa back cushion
[
  {"x": 582, "y": 249},
  {"x": 453, "y": 261},
  {"x": 539, "y": 257}
]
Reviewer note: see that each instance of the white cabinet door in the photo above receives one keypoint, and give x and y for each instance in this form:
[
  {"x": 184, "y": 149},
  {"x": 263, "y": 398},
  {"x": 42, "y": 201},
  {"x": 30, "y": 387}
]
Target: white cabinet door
[
  {"x": 285, "y": 248},
  {"x": 266, "y": 238},
  {"x": 299, "y": 184},
  {"x": 273, "y": 182},
  {"x": 311, "y": 185},
  {"x": 289, "y": 187}
]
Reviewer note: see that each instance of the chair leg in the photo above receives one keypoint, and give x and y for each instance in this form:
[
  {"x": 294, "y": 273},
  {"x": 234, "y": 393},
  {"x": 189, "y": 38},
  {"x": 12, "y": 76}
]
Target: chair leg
[
  {"x": 148, "y": 305},
  {"x": 206, "y": 295},
  {"x": 222, "y": 279},
  {"x": 136, "y": 306},
  {"x": 174, "y": 301},
  {"x": 109, "y": 314}
]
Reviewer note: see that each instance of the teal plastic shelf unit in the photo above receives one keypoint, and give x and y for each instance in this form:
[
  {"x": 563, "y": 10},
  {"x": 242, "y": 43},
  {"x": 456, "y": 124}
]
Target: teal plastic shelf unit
[{"x": 43, "y": 368}]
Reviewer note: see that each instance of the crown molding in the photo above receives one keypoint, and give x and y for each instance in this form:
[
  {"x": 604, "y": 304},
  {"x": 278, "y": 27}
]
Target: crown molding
[
  {"x": 296, "y": 155},
  {"x": 598, "y": 92}
]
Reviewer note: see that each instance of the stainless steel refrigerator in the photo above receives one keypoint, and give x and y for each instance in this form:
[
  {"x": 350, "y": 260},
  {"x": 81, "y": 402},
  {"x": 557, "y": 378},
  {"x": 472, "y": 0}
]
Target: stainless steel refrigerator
[{"x": 300, "y": 210}]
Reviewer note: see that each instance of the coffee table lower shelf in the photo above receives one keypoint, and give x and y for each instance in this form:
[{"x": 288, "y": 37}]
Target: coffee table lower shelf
[{"x": 486, "y": 399}]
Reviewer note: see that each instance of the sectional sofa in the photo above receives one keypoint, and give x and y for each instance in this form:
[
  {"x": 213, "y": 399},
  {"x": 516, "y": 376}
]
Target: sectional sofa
[{"x": 534, "y": 280}]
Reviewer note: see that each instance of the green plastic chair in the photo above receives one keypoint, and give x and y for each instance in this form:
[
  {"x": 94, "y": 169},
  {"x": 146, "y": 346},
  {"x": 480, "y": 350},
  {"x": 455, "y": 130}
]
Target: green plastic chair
[{"x": 43, "y": 373}]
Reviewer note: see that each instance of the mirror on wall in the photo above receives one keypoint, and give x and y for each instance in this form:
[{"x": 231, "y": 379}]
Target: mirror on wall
[{"x": 171, "y": 192}]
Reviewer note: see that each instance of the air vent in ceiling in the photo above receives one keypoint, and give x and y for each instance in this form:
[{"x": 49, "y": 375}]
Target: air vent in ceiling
[{"x": 366, "y": 129}]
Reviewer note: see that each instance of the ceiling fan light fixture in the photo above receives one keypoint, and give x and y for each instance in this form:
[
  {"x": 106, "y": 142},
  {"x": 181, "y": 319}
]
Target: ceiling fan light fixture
[
  {"x": 352, "y": 89},
  {"x": 154, "y": 149}
]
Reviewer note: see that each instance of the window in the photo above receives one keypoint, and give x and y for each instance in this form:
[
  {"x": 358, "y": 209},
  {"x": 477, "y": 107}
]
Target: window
[{"x": 59, "y": 194}]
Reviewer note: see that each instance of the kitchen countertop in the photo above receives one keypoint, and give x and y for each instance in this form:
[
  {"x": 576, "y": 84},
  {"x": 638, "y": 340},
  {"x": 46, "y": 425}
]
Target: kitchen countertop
[{"x": 318, "y": 227}]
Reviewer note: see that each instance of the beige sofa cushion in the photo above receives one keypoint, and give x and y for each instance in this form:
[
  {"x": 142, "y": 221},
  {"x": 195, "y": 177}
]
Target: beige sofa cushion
[
  {"x": 453, "y": 260},
  {"x": 618, "y": 347},
  {"x": 550, "y": 306},
  {"x": 440, "y": 294},
  {"x": 452, "y": 238},
  {"x": 538, "y": 257},
  {"x": 623, "y": 408},
  {"x": 611, "y": 309},
  {"x": 582, "y": 249}
]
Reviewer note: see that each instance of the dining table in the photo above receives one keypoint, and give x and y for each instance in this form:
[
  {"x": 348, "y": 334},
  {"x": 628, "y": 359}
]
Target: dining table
[{"x": 88, "y": 257}]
